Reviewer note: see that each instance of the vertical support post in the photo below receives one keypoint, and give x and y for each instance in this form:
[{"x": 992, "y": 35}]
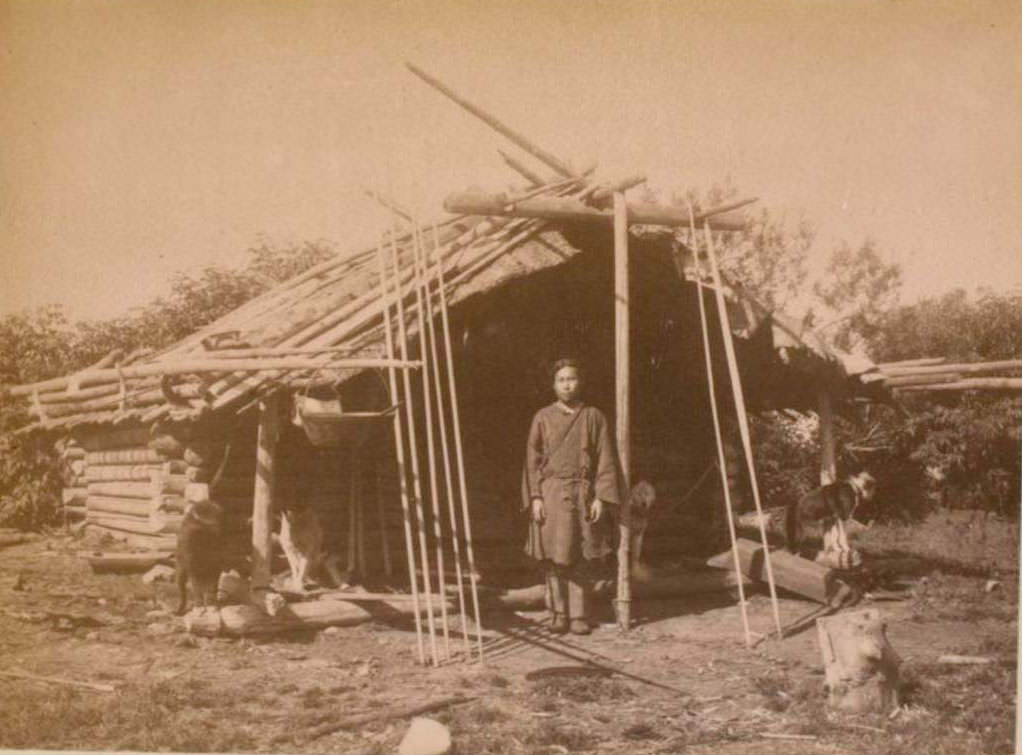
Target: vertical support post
[
  {"x": 262, "y": 499},
  {"x": 622, "y": 413},
  {"x": 828, "y": 459}
]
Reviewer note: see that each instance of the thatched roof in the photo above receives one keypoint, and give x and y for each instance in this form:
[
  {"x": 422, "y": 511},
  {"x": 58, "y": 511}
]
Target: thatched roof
[{"x": 337, "y": 306}]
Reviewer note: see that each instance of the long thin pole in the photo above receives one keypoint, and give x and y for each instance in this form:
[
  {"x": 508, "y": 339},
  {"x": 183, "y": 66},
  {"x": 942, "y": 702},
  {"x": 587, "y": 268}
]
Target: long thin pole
[
  {"x": 743, "y": 420},
  {"x": 444, "y": 444},
  {"x": 828, "y": 458},
  {"x": 427, "y": 402},
  {"x": 719, "y": 437},
  {"x": 360, "y": 515},
  {"x": 381, "y": 510},
  {"x": 399, "y": 447},
  {"x": 352, "y": 518},
  {"x": 540, "y": 154},
  {"x": 413, "y": 453},
  {"x": 622, "y": 380},
  {"x": 459, "y": 453}
]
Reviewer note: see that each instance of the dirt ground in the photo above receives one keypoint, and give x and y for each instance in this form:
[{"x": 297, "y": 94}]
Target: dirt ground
[{"x": 682, "y": 680}]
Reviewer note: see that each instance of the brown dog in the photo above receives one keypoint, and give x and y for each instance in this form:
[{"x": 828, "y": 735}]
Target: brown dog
[
  {"x": 642, "y": 498},
  {"x": 199, "y": 553}
]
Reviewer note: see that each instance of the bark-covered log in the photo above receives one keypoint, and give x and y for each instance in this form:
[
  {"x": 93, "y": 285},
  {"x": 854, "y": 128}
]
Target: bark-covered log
[
  {"x": 791, "y": 572},
  {"x": 247, "y": 620},
  {"x": 860, "y": 665},
  {"x": 124, "y": 456}
]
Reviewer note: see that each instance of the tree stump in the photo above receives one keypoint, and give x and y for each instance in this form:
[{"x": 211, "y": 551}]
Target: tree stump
[{"x": 861, "y": 666}]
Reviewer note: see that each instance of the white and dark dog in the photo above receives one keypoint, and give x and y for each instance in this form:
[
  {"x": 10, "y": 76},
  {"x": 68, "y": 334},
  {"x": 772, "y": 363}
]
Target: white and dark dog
[{"x": 301, "y": 539}]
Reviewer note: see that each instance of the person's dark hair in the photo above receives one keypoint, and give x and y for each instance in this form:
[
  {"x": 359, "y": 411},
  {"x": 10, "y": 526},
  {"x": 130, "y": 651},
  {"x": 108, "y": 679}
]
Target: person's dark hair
[{"x": 566, "y": 362}]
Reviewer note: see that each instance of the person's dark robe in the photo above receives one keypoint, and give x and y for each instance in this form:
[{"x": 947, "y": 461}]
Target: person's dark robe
[{"x": 569, "y": 461}]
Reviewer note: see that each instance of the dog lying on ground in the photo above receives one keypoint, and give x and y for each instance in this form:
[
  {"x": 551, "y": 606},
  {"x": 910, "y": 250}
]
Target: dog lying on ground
[
  {"x": 828, "y": 505},
  {"x": 199, "y": 553}
]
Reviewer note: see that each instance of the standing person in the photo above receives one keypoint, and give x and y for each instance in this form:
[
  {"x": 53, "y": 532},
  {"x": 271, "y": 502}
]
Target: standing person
[{"x": 571, "y": 476}]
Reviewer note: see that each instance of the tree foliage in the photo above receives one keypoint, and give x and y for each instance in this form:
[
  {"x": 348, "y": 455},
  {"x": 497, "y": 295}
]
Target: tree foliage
[
  {"x": 41, "y": 344},
  {"x": 857, "y": 289}
]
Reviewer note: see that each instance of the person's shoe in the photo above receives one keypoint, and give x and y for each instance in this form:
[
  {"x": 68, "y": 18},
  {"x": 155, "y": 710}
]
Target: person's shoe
[
  {"x": 580, "y": 626},
  {"x": 559, "y": 623}
]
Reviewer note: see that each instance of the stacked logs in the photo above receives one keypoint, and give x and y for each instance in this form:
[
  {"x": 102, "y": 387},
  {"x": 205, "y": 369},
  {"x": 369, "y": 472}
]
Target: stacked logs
[
  {"x": 132, "y": 491},
  {"x": 73, "y": 473},
  {"x": 133, "y": 483}
]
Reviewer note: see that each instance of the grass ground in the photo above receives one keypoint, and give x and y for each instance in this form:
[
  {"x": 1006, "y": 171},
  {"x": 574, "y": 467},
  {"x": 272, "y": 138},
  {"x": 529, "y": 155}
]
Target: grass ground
[{"x": 682, "y": 681}]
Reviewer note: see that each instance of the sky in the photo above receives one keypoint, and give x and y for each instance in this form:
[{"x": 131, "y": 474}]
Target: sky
[{"x": 142, "y": 138}]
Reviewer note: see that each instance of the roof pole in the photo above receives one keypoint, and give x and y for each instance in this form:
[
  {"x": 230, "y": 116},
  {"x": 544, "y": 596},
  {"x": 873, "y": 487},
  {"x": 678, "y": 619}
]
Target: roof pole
[
  {"x": 395, "y": 399},
  {"x": 622, "y": 413},
  {"x": 518, "y": 139}
]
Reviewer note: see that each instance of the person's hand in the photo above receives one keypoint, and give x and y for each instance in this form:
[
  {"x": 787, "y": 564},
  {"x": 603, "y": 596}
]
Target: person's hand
[
  {"x": 595, "y": 510},
  {"x": 538, "y": 511}
]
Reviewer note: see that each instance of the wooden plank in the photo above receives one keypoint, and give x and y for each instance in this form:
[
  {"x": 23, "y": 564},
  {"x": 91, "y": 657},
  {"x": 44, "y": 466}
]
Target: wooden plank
[{"x": 570, "y": 209}]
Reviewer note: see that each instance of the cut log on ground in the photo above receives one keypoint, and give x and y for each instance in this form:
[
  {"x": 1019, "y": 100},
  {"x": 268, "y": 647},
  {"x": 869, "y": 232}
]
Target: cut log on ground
[
  {"x": 247, "y": 620},
  {"x": 668, "y": 586},
  {"x": 792, "y": 573},
  {"x": 124, "y": 563},
  {"x": 860, "y": 665}
]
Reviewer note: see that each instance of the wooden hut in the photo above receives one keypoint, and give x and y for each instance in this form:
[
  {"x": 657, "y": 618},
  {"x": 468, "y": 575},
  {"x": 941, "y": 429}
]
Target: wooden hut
[{"x": 145, "y": 436}]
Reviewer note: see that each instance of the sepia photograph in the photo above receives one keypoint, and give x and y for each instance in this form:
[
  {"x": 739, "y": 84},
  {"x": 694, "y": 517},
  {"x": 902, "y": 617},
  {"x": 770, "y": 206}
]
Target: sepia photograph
[{"x": 431, "y": 377}]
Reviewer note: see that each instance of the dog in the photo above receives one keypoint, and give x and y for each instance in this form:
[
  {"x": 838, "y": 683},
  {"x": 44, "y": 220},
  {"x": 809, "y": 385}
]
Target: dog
[
  {"x": 641, "y": 500},
  {"x": 199, "y": 554},
  {"x": 828, "y": 505}
]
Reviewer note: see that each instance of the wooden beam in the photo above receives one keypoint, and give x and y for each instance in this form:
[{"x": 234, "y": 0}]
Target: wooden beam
[
  {"x": 923, "y": 362},
  {"x": 622, "y": 408},
  {"x": 262, "y": 500},
  {"x": 828, "y": 459},
  {"x": 565, "y": 208},
  {"x": 179, "y": 367},
  {"x": 540, "y": 154},
  {"x": 607, "y": 191},
  {"x": 970, "y": 384},
  {"x": 972, "y": 368}
]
